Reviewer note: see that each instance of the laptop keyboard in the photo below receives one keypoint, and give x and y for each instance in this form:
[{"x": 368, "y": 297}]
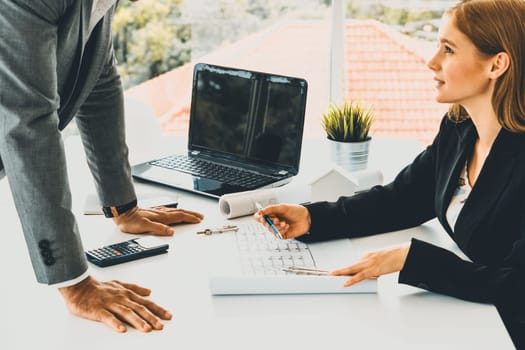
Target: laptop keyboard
[
  {"x": 219, "y": 172},
  {"x": 263, "y": 254}
]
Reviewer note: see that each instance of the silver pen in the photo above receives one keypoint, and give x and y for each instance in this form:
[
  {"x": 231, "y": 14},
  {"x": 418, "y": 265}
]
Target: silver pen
[{"x": 305, "y": 271}]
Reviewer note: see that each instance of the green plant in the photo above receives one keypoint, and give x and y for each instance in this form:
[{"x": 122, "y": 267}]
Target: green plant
[{"x": 349, "y": 122}]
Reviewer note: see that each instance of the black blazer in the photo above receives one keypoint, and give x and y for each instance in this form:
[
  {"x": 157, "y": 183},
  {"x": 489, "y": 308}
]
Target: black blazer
[{"x": 490, "y": 229}]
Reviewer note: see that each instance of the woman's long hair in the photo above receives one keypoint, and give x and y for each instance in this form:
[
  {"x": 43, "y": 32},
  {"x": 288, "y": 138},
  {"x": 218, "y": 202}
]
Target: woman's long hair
[{"x": 496, "y": 26}]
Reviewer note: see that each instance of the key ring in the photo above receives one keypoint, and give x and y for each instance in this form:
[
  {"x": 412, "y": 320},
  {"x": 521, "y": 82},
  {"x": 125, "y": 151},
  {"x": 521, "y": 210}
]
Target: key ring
[{"x": 226, "y": 228}]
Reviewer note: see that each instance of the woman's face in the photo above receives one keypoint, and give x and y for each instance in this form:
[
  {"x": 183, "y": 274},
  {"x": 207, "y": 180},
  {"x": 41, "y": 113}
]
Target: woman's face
[{"x": 460, "y": 71}]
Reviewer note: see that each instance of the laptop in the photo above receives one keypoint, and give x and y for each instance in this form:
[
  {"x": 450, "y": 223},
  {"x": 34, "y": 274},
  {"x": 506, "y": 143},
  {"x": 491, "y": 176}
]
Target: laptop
[
  {"x": 245, "y": 133},
  {"x": 253, "y": 261}
]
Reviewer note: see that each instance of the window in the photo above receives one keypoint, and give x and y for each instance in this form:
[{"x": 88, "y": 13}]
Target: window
[{"x": 378, "y": 51}]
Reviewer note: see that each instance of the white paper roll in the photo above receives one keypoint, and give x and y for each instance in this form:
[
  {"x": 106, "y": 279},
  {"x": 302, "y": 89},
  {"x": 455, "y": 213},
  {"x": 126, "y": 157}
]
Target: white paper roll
[{"x": 243, "y": 203}]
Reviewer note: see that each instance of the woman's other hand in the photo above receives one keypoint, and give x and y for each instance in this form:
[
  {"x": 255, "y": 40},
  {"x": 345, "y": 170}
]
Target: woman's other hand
[{"x": 374, "y": 264}]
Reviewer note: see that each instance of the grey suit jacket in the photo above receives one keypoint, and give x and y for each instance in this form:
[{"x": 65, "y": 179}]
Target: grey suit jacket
[{"x": 50, "y": 72}]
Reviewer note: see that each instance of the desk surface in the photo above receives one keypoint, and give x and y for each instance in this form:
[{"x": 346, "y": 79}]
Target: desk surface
[{"x": 398, "y": 316}]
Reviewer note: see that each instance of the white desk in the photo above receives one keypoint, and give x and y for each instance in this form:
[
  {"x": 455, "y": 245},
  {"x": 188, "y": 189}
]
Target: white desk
[{"x": 397, "y": 317}]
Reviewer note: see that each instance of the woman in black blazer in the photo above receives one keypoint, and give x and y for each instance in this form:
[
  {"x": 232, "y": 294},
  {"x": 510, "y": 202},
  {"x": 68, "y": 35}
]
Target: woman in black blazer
[{"x": 472, "y": 177}]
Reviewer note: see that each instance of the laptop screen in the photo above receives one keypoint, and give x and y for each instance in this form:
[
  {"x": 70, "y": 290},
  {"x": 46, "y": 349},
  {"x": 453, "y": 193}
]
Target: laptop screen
[{"x": 247, "y": 116}]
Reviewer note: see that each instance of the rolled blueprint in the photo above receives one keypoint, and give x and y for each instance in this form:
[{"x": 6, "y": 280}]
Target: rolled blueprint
[
  {"x": 243, "y": 203},
  {"x": 336, "y": 182}
]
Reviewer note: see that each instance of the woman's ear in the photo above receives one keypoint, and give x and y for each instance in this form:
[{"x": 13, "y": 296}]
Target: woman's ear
[{"x": 500, "y": 64}]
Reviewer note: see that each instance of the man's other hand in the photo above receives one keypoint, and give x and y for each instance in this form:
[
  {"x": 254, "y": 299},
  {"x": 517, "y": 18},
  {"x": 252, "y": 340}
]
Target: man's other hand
[
  {"x": 114, "y": 303},
  {"x": 155, "y": 220}
]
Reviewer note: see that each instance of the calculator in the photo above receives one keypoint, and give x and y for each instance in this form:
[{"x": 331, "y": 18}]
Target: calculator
[{"x": 132, "y": 249}]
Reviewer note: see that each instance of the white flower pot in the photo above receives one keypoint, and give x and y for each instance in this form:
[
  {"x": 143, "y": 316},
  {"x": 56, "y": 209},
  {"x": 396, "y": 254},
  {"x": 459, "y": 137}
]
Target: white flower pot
[{"x": 351, "y": 156}]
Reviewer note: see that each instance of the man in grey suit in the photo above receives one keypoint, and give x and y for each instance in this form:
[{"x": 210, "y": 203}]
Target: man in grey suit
[{"x": 56, "y": 63}]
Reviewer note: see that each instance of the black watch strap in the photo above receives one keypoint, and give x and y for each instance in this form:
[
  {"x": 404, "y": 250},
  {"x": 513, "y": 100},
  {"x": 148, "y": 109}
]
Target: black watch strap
[{"x": 113, "y": 212}]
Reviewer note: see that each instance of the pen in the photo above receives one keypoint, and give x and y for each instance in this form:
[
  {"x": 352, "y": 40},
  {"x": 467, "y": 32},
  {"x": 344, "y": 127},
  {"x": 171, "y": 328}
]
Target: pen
[
  {"x": 269, "y": 221},
  {"x": 305, "y": 271}
]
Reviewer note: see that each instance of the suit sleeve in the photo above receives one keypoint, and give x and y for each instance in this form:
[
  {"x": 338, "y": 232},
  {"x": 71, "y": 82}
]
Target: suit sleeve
[
  {"x": 406, "y": 202},
  {"x": 31, "y": 147},
  {"x": 101, "y": 125},
  {"x": 439, "y": 270}
]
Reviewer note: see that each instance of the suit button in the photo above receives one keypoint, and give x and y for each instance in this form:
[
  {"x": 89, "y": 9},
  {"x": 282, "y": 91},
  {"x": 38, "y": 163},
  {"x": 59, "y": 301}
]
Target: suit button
[
  {"x": 46, "y": 253},
  {"x": 49, "y": 261},
  {"x": 43, "y": 244}
]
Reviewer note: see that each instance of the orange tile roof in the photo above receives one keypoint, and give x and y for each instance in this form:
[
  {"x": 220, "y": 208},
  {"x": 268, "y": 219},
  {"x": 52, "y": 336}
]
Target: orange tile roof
[
  {"x": 383, "y": 68},
  {"x": 388, "y": 71}
]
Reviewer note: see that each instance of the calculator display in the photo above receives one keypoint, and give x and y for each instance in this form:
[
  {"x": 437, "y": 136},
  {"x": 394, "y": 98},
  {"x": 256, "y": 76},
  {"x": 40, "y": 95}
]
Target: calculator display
[{"x": 149, "y": 242}]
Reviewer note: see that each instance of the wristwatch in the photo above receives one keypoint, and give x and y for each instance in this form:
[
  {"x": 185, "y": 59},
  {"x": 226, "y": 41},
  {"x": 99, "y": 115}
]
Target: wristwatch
[{"x": 113, "y": 212}]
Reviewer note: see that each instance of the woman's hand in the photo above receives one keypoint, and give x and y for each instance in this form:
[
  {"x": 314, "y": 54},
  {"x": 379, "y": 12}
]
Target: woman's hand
[
  {"x": 291, "y": 220},
  {"x": 374, "y": 264},
  {"x": 155, "y": 220}
]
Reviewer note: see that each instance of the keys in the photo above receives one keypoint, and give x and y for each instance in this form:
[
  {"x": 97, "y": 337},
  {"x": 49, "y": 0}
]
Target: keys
[{"x": 226, "y": 228}]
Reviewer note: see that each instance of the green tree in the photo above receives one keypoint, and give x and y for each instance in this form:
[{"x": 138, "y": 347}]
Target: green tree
[
  {"x": 409, "y": 21},
  {"x": 155, "y": 36},
  {"x": 149, "y": 39}
]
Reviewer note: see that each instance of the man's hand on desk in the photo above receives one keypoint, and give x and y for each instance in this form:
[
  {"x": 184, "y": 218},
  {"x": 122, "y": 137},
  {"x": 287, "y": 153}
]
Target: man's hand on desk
[
  {"x": 155, "y": 220},
  {"x": 374, "y": 264},
  {"x": 114, "y": 303}
]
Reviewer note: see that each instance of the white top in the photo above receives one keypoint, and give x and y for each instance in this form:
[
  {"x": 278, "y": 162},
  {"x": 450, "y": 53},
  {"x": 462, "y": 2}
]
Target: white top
[
  {"x": 95, "y": 2},
  {"x": 459, "y": 198},
  {"x": 99, "y": 9}
]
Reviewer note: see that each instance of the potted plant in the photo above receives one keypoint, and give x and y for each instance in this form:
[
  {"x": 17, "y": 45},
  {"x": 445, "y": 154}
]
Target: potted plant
[{"x": 348, "y": 126}]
